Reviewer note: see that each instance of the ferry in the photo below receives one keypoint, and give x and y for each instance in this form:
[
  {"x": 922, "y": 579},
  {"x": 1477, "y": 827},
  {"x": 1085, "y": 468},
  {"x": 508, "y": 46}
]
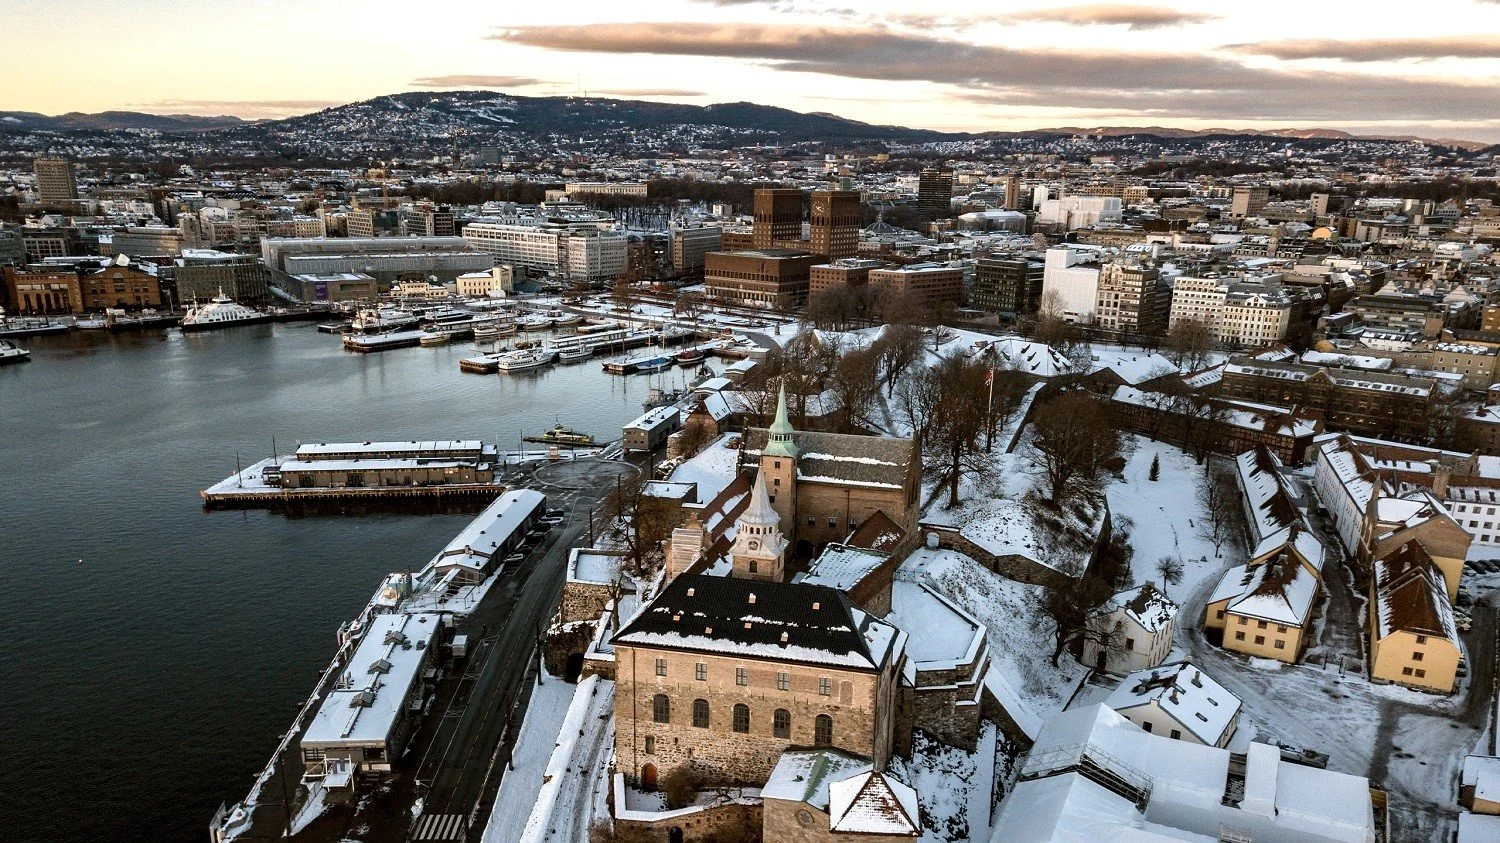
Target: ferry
[
  {"x": 12, "y": 353},
  {"x": 523, "y": 361},
  {"x": 220, "y": 312},
  {"x": 383, "y": 342},
  {"x": 376, "y": 320},
  {"x": 560, "y": 435},
  {"x": 573, "y": 353},
  {"x": 493, "y": 329}
]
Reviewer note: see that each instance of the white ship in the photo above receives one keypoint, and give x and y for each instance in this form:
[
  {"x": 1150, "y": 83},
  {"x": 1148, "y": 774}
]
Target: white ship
[
  {"x": 521, "y": 361},
  {"x": 378, "y": 320},
  {"x": 220, "y": 312},
  {"x": 12, "y": 353}
]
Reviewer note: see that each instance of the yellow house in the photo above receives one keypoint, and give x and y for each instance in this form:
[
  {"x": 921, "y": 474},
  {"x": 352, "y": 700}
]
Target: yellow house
[
  {"x": 1263, "y": 610},
  {"x": 1391, "y": 522},
  {"x": 1413, "y": 639}
]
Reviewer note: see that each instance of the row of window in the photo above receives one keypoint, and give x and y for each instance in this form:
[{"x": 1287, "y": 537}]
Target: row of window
[
  {"x": 781, "y": 720},
  {"x": 742, "y": 675},
  {"x": 1280, "y": 643}
]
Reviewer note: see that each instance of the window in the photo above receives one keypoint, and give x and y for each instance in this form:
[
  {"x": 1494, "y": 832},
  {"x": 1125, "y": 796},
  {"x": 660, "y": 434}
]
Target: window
[
  {"x": 833, "y": 522},
  {"x": 823, "y": 731},
  {"x": 777, "y": 463},
  {"x": 375, "y": 753},
  {"x": 741, "y": 717},
  {"x": 1416, "y": 657},
  {"x": 700, "y": 671},
  {"x": 1420, "y": 673},
  {"x": 1221, "y": 614},
  {"x": 1243, "y": 620},
  {"x": 661, "y": 709},
  {"x": 1281, "y": 628},
  {"x": 1260, "y": 624},
  {"x": 1260, "y": 639},
  {"x": 776, "y": 481},
  {"x": 1129, "y": 644},
  {"x": 1280, "y": 644},
  {"x": 1239, "y": 636},
  {"x": 1177, "y": 734},
  {"x": 741, "y": 676},
  {"x": 1421, "y": 639},
  {"x": 700, "y": 713},
  {"x": 781, "y": 723},
  {"x": 754, "y": 566},
  {"x": 825, "y": 686},
  {"x": 313, "y": 754},
  {"x": 650, "y": 745},
  {"x": 1405, "y": 671},
  {"x": 1146, "y": 725},
  {"x": 661, "y": 667},
  {"x": 811, "y": 521},
  {"x": 783, "y": 681}
]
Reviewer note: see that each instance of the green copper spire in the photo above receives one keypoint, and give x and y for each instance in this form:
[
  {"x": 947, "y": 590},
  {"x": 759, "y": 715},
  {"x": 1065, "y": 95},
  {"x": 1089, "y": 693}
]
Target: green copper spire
[{"x": 780, "y": 443}]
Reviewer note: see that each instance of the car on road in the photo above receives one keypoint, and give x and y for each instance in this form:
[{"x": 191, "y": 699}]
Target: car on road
[{"x": 514, "y": 558}]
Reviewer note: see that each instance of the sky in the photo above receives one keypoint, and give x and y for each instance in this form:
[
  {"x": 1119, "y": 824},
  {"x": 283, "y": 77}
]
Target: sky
[{"x": 1431, "y": 69}]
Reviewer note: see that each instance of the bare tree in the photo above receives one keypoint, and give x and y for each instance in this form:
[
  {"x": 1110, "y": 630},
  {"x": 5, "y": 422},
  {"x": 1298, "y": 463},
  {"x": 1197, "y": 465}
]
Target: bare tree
[
  {"x": 1072, "y": 439},
  {"x": 958, "y": 418},
  {"x": 1217, "y": 497},
  {"x": 855, "y": 385},
  {"x": 642, "y": 522},
  {"x": 690, "y": 305},
  {"x": 680, "y": 786},
  {"x": 1069, "y": 609},
  {"x": 1188, "y": 343},
  {"x": 899, "y": 347},
  {"x": 1170, "y": 569}
]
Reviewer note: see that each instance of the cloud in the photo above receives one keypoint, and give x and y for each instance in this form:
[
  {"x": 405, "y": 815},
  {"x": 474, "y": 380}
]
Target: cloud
[
  {"x": 1377, "y": 49},
  {"x": 1113, "y": 14},
  {"x": 471, "y": 80},
  {"x": 649, "y": 92},
  {"x": 1146, "y": 84}
]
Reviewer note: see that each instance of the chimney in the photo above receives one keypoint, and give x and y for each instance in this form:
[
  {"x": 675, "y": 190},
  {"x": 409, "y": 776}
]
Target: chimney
[
  {"x": 752, "y": 597},
  {"x": 690, "y": 592},
  {"x": 1197, "y": 679},
  {"x": 815, "y": 606},
  {"x": 783, "y": 637}
]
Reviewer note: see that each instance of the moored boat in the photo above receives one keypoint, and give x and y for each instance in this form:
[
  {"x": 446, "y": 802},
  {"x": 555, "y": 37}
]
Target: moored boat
[
  {"x": 560, "y": 435},
  {"x": 383, "y": 342},
  {"x": 522, "y": 361},
  {"x": 12, "y": 353},
  {"x": 220, "y": 312}
]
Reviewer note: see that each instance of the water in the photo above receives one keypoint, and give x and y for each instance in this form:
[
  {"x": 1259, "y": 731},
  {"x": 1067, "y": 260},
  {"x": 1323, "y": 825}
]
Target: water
[{"x": 152, "y": 654}]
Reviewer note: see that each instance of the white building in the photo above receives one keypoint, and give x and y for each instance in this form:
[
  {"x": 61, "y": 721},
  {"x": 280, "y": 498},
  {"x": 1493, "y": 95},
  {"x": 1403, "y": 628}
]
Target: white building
[
  {"x": 1073, "y": 212},
  {"x": 1198, "y": 299},
  {"x": 1093, "y": 775},
  {"x": 1071, "y": 271},
  {"x": 573, "y": 250},
  {"x": 1132, "y": 631},
  {"x": 1179, "y": 701}
]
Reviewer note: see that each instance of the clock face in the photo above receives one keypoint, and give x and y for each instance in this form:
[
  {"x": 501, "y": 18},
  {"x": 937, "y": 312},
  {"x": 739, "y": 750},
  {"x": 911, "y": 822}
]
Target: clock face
[
  {"x": 754, "y": 545},
  {"x": 804, "y": 818},
  {"x": 820, "y": 207}
]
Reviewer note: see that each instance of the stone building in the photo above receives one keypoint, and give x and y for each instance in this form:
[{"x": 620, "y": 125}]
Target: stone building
[
  {"x": 820, "y": 796},
  {"x": 724, "y": 675},
  {"x": 120, "y": 285},
  {"x": 824, "y": 485},
  {"x": 1363, "y": 403}
]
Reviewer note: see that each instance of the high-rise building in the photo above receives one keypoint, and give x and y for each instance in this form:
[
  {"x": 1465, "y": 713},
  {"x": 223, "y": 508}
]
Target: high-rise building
[
  {"x": 935, "y": 193},
  {"x": 1072, "y": 272},
  {"x": 1131, "y": 298},
  {"x": 778, "y": 216},
  {"x": 834, "y": 223},
  {"x": 360, "y": 222},
  {"x": 690, "y": 245},
  {"x": 1013, "y": 192},
  {"x": 1319, "y": 204},
  {"x": 54, "y": 181},
  {"x": 1247, "y": 201},
  {"x": 1007, "y": 285}
]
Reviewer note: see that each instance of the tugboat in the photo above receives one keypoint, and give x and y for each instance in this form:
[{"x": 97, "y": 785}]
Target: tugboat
[
  {"x": 220, "y": 312},
  {"x": 12, "y": 353},
  {"x": 560, "y": 435}
]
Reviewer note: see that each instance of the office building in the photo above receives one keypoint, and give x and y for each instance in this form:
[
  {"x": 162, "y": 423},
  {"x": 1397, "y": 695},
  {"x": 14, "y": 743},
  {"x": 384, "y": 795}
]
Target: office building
[
  {"x": 1248, "y": 201},
  {"x": 834, "y": 223},
  {"x": 1072, "y": 212},
  {"x": 55, "y": 186},
  {"x": 334, "y": 287},
  {"x": 770, "y": 278},
  {"x": 1013, "y": 192},
  {"x": 689, "y": 246},
  {"x": 849, "y": 272},
  {"x": 778, "y": 217},
  {"x": 1071, "y": 271},
  {"x": 201, "y": 274},
  {"x": 935, "y": 193},
  {"x": 1132, "y": 298},
  {"x": 360, "y": 222},
  {"x": 930, "y": 282},
  {"x": 1010, "y": 285}
]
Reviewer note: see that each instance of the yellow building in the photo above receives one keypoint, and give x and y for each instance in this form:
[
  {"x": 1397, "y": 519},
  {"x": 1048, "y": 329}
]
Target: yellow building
[
  {"x": 1413, "y": 639},
  {"x": 1265, "y": 609},
  {"x": 1392, "y": 522}
]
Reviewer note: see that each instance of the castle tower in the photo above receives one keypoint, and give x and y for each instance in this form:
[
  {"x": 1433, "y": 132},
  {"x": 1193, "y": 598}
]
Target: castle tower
[
  {"x": 759, "y": 550},
  {"x": 778, "y": 468}
]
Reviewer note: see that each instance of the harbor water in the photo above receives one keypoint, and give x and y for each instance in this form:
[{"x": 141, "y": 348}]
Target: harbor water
[{"x": 154, "y": 653}]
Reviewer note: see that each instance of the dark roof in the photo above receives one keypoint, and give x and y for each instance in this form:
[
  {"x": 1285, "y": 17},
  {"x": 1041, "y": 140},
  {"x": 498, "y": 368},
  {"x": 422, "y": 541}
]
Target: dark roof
[
  {"x": 843, "y": 457},
  {"x": 764, "y": 620},
  {"x": 1410, "y": 594},
  {"x": 878, "y": 532}
]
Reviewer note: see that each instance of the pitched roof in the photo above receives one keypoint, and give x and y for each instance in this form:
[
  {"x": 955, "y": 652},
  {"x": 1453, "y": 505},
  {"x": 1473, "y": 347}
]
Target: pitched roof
[
  {"x": 764, "y": 620},
  {"x": 842, "y": 457},
  {"x": 1280, "y": 591},
  {"x": 873, "y": 803},
  {"x": 1411, "y": 596},
  {"x": 1144, "y": 604},
  {"x": 878, "y": 532},
  {"x": 1185, "y": 693}
]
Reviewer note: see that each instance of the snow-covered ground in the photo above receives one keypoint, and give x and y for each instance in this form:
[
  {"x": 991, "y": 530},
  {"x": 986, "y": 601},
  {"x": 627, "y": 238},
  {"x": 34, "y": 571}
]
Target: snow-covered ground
[
  {"x": 1166, "y": 516},
  {"x": 953, "y": 786},
  {"x": 522, "y": 784},
  {"x": 1021, "y": 674}
]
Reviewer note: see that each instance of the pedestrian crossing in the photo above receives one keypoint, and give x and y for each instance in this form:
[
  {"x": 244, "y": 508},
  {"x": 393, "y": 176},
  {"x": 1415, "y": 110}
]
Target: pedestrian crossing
[{"x": 441, "y": 827}]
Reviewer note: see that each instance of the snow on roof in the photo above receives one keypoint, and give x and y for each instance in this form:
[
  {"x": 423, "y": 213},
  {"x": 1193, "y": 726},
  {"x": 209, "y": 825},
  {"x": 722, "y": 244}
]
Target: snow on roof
[
  {"x": 317, "y": 449},
  {"x": 803, "y": 775},
  {"x": 940, "y": 636},
  {"x": 1253, "y": 591},
  {"x": 373, "y": 688},
  {"x": 1145, "y": 605},
  {"x": 1072, "y": 808},
  {"x": 842, "y": 567},
  {"x": 487, "y": 533},
  {"x": 1482, "y": 772},
  {"x": 873, "y": 803},
  {"x": 1183, "y": 692},
  {"x": 1033, "y": 358},
  {"x": 1411, "y": 595},
  {"x": 591, "y": 565},
  {"x": 712, "y": 468},
  {"x": 1478, "y": 828},
  {"x": 1132, "y": 366},
  {"x": 1349, "y": 361}
]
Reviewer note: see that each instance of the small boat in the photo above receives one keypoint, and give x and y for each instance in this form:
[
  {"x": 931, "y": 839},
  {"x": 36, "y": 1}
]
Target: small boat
[
  {"x": 12, "y": 353},
  {"x": 221, "y": 312},
  {"x": 688, "y": 357},
  {"x": 534, "y": 323},
  {"x": 493, "y": 330},
  {"x": 382, "y": 319},
  {"x": 91, "y": 324},
  {"x": 432, "y": 338},
  {"x": 574, "y": 353},
  {"x": 564, "y": 320},
  {"x": 653, "y": 364},
  {"x": 560, "y": 435}
]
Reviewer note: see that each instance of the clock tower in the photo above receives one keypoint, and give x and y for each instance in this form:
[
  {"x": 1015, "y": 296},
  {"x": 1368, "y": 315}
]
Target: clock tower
[{"x": 759, "y": 550}]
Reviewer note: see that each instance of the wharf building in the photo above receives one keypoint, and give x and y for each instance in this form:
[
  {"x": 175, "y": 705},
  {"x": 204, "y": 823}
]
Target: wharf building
[
  {"x": 386, "y": 259},
  {"x": 385, "y": 464}
]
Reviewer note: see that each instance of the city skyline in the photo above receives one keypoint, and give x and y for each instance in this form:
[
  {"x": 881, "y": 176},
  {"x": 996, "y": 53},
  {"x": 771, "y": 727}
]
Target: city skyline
[{"x": 1015, "y": 66}]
